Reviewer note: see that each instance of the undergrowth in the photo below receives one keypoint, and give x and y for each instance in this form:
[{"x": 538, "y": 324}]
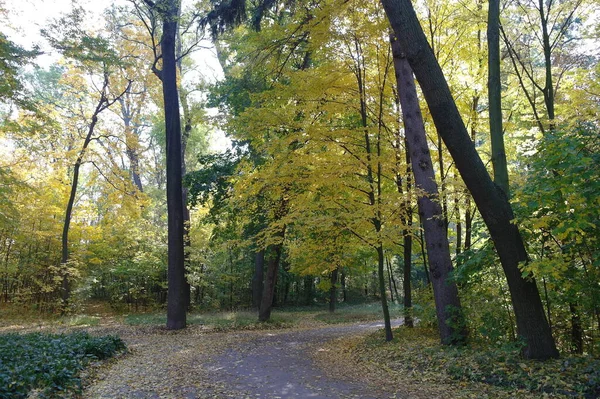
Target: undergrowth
[
  {"x": 284, "y": 318},
  {"x": 48, "y": 365},
  {"x": 417, "y": 351}
]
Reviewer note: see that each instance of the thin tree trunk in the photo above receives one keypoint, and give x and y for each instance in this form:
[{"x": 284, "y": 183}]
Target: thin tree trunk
[
  {"x": 131, "y": 139},
  {"x": 333, "y": 290},
  {"x": 491, "y": 201},
  {"x": 406, "y": 283},
  {"x": 548, "y": 86},
  {"x": 576, "y": 329},
  {"x": 257, "y": 278},
  {"x": 458, "y": 225},
  {"x": 382, "y": 292},
  {"x": 495, "y": 98},
  {"x": 308, "y": 289},
  {"x": 103, "y": 103},
  {"x": 6, "y": 258},
  {"x": 449, "y": 311},
  {"x": 393, "y": 286},
  {"x": 343, "y": 284},
  {"x": 424, "y": 252}
]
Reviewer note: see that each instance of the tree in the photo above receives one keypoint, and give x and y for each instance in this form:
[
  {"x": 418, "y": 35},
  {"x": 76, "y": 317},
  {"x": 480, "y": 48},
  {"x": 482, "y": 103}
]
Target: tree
[
  {"x": 491, "y": 202},
  {"x": 545, "y": 26},
  {"x": 168, "y": 10},
  {"x": 91, "y": 53},
  {"x": 447, "y": 303},
  {"x": 495, "y": 98}
]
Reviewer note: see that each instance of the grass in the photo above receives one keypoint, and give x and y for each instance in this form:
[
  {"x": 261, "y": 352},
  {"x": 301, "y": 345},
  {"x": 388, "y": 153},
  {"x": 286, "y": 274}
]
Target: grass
[
  {"x": 285, "y": 318},
  {"x": 223, "y": 321}
]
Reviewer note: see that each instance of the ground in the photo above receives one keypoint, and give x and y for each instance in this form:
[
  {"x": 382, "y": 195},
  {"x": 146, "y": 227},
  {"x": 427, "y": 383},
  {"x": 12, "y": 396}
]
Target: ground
[{"x": 252, "y": 364}]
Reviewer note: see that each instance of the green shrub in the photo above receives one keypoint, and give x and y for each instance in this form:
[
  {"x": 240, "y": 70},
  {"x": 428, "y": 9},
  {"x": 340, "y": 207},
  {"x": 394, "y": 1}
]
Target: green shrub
[{"x": 49, "y": 363}]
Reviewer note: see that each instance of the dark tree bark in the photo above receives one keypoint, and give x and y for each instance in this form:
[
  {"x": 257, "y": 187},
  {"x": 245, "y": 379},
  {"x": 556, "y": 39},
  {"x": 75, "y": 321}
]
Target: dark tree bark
[
  {"x": 383, "y": 294},
  {"x": 447, "y": 303},
  {"x": 257, "y": 278},
  {"x": 309, "y": 282},
  {"x": 176, "y": 295},
  {"x": 343, "y": 284},
  {"x": 576, "y": 329},
  {"x": 495, "y": 98},
  {"x": 406, "y": 282},
  {"x": 490, "y": 200},
  {"x": 266, "y": 304},
  {"x": 333, "y": 290}
]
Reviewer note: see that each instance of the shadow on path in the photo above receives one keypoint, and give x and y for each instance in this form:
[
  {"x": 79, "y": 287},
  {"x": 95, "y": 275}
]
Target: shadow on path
[{"x": 279, "y": 365}]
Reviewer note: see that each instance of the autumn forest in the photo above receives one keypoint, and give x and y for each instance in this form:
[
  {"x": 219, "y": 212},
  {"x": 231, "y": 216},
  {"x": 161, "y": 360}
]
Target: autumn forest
[{"x": 436, "y": 161}]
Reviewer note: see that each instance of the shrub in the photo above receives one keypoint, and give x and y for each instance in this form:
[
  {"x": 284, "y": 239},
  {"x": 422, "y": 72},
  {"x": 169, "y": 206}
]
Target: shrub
[{"x": 48, "y": 363}]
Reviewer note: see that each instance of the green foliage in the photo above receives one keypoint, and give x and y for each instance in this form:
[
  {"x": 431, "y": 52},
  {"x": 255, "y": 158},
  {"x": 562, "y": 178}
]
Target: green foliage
[
  {"x": 49, "y": 364},
  {"x": 558, "y": 206},
  {"x": 12, "y": 59}
]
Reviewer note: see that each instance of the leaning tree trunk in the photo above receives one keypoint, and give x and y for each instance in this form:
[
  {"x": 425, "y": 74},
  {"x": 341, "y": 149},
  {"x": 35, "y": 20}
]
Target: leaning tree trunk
[
  {"x": 490, "y": 200},
  {"x": 447, "y": 303}
]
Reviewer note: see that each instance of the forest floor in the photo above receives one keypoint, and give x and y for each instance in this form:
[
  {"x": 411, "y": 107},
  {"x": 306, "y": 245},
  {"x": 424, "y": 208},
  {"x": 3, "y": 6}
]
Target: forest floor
[
  {"x": 247, "y": 364},
  {"x": 298, "y": 355}
]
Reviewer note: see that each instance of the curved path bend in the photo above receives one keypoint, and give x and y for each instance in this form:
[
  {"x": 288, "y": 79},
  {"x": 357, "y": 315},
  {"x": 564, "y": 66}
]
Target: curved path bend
[{"x": 272, "y": 364}]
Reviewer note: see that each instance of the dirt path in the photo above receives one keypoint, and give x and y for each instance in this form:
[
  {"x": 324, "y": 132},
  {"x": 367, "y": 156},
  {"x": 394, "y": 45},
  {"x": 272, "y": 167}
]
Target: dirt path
[{"x": 259, "y": 364}]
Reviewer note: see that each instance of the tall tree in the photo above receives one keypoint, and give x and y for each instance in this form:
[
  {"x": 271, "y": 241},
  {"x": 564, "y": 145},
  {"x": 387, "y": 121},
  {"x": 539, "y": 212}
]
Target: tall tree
[
  {"x": 495, "y": 97},
  {"x": 491, "y": 201},
  {"x": 168, "y": 10},
  {"x": 451, "y": 323}
]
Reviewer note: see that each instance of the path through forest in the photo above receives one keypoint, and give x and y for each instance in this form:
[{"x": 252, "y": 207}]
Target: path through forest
[{"x": 266, "y": 364}]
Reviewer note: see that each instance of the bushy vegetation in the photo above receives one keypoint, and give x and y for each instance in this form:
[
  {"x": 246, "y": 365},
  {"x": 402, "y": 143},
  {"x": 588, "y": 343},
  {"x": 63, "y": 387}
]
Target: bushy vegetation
[
  {"x": 49, "y": 364},
  {"x": 418, "y": 354}
]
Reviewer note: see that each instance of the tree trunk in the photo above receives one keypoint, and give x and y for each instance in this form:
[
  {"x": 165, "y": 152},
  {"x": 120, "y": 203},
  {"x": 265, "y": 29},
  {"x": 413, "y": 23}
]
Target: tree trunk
[
  {"x": 382, "y": 292},
  {"x": 406, "y": 283},
  {"x": 392, "y": 280},
  {"x": 548, "y": 86},
  {"x": 132, "y": 141},
  {"x": 447, "y": 303},
  {"x": 308, "y": 290},
  {"x": 495, "y": 98},
  {"x": 333, "y": 290},
  {"x": 177, "y": 299},
  {"x": 576, "y": 329},
  {"x": 65, "y": 286},
  {"x": 257, "y": 278},
  {"x": 491, "y": 201},
  {"x": 343, "y": 284},
  {"x": 266, "y": 304}
]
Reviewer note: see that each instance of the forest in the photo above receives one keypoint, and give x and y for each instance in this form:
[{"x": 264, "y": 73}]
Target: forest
[{"x": 440, "y": 159}]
